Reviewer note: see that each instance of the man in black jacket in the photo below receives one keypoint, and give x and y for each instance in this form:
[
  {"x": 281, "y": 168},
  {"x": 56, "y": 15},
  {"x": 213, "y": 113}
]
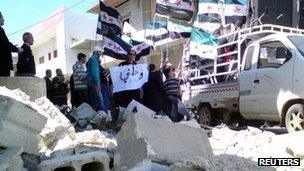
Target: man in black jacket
[
  {"x": 6, "y": 47},
  {"x": 26, "y": 63},
  {"x": 153, "y": 97}
]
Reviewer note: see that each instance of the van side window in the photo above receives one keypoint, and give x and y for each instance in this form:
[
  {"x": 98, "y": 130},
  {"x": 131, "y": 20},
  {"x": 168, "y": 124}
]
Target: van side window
[
  {"x": 273, "y": 55},
  {"x": 248, "y": 58}
]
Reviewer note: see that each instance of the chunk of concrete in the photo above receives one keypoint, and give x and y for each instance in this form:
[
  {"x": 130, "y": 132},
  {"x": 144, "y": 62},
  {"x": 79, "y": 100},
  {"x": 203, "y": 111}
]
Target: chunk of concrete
[
  {"x": 20, "y": 124},
  {"x": 33, "y": 86},
  {"x": 96, "y": 138},
  {"x": 159, "y": 140},
  {"x": 83, "y": 111},
  {"x": 10, "y": 159},
  {"x": 192, "y": 165},
  {"x": 149, "y": 166},
  {"x": 88, "y": 161},
  {"x": 136, "y": 107},
  {"x": 57, "y": 127}
]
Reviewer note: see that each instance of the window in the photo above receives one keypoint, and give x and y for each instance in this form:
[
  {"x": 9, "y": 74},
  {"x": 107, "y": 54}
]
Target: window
[
  {"x": 273, "y": 55},
  {"x": 41, "y": 60},
  {"x": 50, "y": 56},
  {"x": 55, "y": 53},
  {"x": 249, "y": 55},
  {"x": 298, "y": 42}
]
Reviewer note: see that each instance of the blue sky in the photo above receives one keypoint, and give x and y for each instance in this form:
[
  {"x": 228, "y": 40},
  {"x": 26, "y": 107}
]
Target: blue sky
[{"x": 19, "y": 14}]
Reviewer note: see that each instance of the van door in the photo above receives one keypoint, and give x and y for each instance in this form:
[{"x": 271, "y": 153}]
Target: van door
[
  {"x": 248, "y": 99},
  {"x": 273, "y": 77}
]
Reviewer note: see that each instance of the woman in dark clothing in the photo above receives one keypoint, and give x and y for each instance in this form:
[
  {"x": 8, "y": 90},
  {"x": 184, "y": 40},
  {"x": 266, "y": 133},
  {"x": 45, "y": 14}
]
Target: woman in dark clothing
[{"x": 152, "y": 97}]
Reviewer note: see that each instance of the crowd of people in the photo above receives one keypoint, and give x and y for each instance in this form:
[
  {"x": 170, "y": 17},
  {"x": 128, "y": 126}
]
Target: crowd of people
[{"x": 91, "y": 83}]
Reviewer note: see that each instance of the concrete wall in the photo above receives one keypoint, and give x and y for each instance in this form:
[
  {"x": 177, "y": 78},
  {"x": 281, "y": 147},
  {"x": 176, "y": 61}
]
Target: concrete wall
[
  {"x": 132, "y": 10},
  {"x": 71, "y": 27},
  {"x": 77, "y": 27},
  {"x": 32, "y": 86}
]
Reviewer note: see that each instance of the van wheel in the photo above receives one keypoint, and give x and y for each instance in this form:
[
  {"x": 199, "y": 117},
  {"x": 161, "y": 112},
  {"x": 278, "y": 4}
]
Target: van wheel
[
  {"x": 294, "y": 118},
  {"x": 205, "y": 116}
]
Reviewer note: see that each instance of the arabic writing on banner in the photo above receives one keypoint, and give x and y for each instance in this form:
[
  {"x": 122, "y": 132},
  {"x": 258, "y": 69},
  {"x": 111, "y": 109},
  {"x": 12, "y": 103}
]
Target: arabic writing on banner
[{"x": 129, "y": 77}]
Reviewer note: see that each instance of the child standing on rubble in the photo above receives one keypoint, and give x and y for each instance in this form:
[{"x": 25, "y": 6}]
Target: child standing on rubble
[{"x": 175, "y": 108}]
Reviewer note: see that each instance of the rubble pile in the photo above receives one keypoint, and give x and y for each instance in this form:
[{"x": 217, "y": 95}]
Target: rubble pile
[
  {"x": 253, "y": 143},
  {"x": 37, "y": 136},
  {"x": 39, "y": 128},
  {"x": 159, "y": 140}
]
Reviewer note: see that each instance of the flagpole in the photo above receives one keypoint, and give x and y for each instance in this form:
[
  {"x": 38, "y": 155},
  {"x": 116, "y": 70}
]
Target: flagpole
[{"x": 167, "y": 47}]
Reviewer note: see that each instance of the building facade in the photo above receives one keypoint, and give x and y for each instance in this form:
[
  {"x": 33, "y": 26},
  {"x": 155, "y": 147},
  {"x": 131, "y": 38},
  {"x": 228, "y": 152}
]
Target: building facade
[{"x": 57, "y": 40}]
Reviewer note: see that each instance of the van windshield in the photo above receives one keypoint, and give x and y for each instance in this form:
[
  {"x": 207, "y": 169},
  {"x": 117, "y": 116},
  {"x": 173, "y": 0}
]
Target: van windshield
[{"x": 298, "y": 42}]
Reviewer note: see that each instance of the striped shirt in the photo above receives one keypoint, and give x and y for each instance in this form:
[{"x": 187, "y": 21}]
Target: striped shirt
[
  {"x": 171, "y": 87},
  {"x": 79, "y": 76}
]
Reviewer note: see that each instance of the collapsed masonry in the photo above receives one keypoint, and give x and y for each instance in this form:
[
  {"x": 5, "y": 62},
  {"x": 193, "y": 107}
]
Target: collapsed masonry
[
  {"x": 36, "y": 135},
  {"x": 39, "y": 128}
]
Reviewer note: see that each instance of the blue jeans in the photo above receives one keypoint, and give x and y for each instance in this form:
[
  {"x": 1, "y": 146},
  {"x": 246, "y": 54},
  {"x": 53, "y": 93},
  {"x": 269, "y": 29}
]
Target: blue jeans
[
  {"x": 95, "y": 99},
  {"x": 175, "y": 109},
  {"x": 105, "y": 91}
]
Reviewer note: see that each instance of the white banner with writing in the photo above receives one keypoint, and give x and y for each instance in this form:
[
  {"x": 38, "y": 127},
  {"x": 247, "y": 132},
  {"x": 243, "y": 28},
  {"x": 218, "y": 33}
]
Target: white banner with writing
[{"x": 129, "y": 77}]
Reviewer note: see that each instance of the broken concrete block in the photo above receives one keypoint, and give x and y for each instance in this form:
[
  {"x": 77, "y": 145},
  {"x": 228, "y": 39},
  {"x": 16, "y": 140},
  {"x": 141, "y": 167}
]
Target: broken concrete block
[
  {"x": 33, "y": 86},
  {"x": 95, "y": 138},
  {"x": 192, "y": 165},
  {"x": 10, "y": 159},
  {"x": 149, "y": 166},
  {"x": 159, "y": 140},
  {"x": 83, "y": 148},
  {"x": 57, "y": 127},
  {"x": 64, "y": 147},
  {"x": 136, "y": 107},
  {"x": 98, "y": 160},
  {"x": 92, "y": 137},
  {"x": 21, "y": 124},
  {"x": 83, "y": 111}
]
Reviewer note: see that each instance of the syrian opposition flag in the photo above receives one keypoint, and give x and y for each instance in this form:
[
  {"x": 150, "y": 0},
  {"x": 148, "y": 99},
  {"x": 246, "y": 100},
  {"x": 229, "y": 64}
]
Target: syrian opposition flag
[
  {"x": 181, "y": 30},
  {"x": 141, "y": 49},
  {"x": 108, "y": 21},
  {"x": 235, "y": 10},
  {"x": 139, "y": 44},
  {"x": 209, "y": 15},
  {"x": 115, "y": 47},
  {"x": 177, "y": 9},
  {"x": 156, "y": 31},
  {"x": 203, "y": 44}
]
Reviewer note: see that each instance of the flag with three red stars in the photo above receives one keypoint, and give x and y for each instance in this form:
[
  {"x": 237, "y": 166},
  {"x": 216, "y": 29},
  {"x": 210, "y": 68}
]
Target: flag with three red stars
[
  {"x": 177, "y": 9},
  {"x": 108, "y": 20},
  {"x": 115, "y": 47},
  {"x": 211, "y": 12},
  {"x": 235, "y": 10},
  {"x": 136, "y": 39},
  {"x": 208, "y": 17}
]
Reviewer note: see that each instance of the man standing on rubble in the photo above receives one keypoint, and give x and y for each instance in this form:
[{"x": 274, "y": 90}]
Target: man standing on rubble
[
  {"x": 6, "y": 47},
  {"x": 60, "y": 89},
  {"x": 94, "y": 89},
  {"x": 80, "y": 80},
  {"x": 175, "y": 108},
  {"x": 26, "y": 63},
  {"x": 123, "y": 98}
]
